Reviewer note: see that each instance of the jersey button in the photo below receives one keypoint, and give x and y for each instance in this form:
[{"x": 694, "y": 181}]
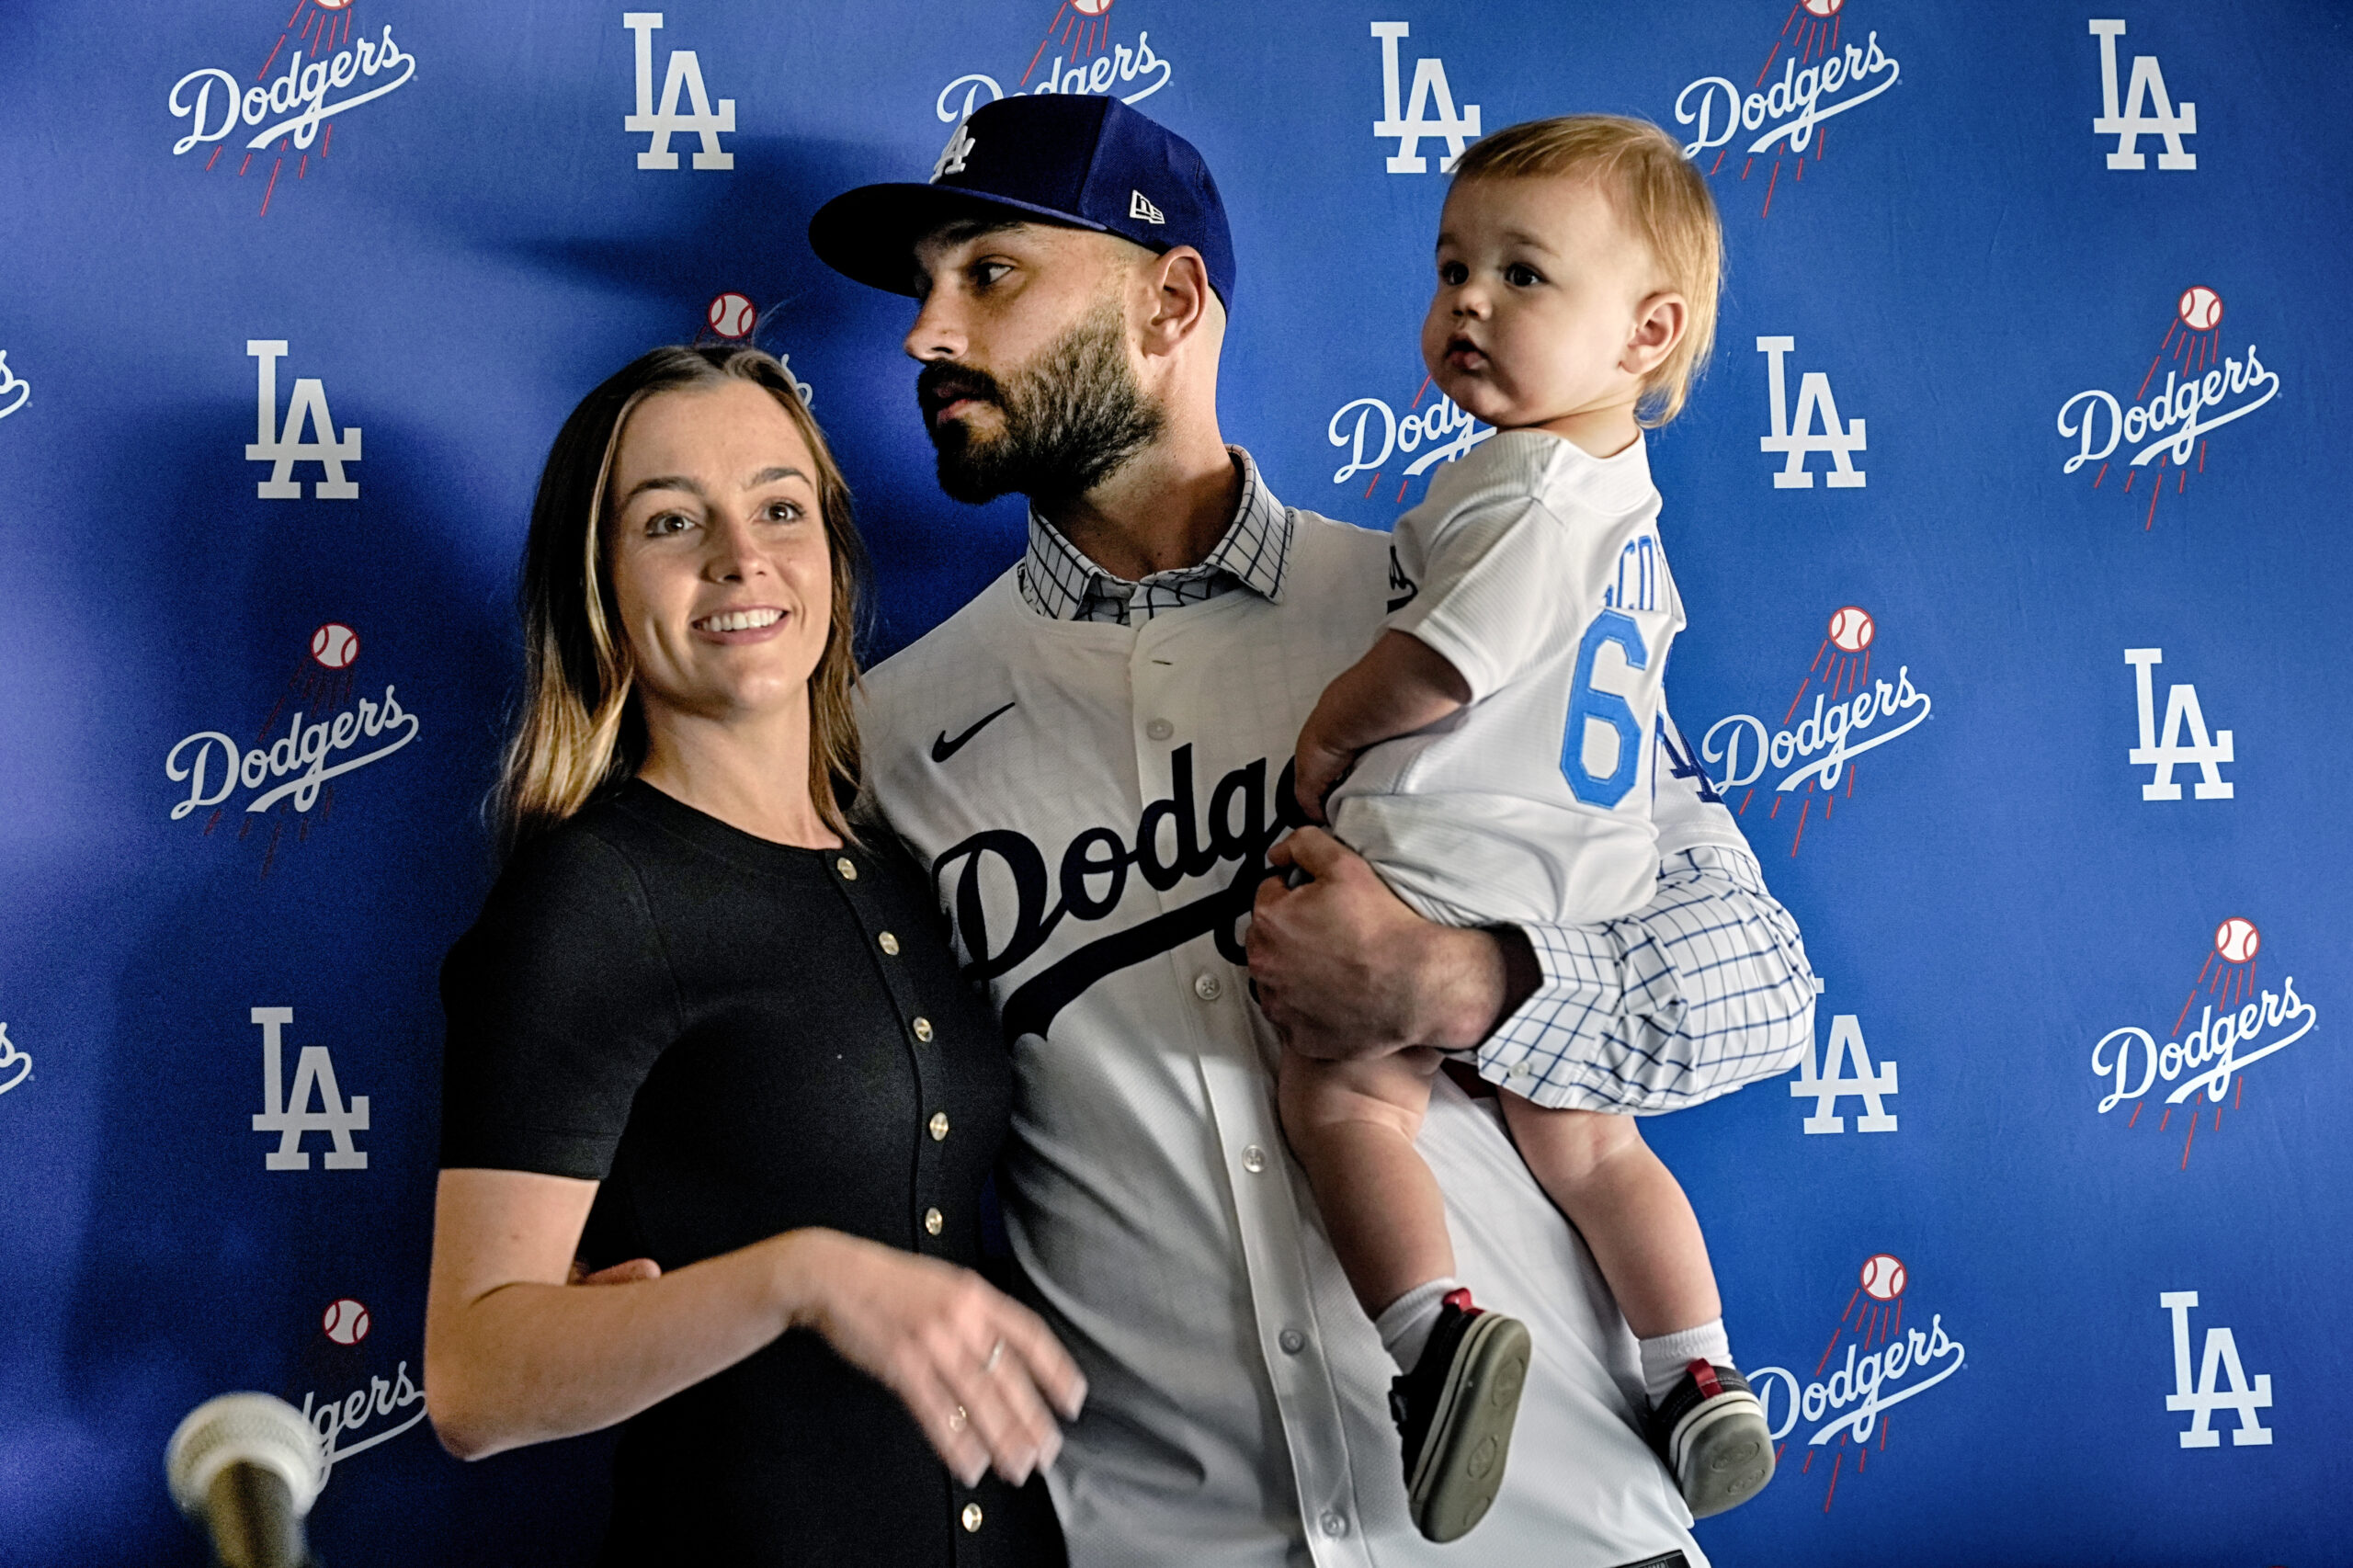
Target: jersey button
[
  {"x": 923, "y": 1030},
  {"x": 1160, "y": 729},
  {"x": 1253, "y": 1159},
  {"x": 1335, "y": 1525},
  {"x": 847, "y": 868},
  {"x": 971, "y": 1518},
  {"x": 1292, "y": 1341},
  {"x": 1208, "y": 988},
  {"x": 939, "y": 1126},
  {"x": 888, "y": 943},
  {"x": 932, "y": 1220}
]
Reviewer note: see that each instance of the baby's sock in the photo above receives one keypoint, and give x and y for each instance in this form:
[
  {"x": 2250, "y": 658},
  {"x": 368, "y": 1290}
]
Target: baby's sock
[
  {"x": 1665, "y": 1357},
  {"x": 1404, "y": 1324}
]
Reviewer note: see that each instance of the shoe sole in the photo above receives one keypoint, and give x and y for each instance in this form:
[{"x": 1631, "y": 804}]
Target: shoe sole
[
  {"x": 1727, "y": 1453},
  {"x": 1463, "y": 1458}
]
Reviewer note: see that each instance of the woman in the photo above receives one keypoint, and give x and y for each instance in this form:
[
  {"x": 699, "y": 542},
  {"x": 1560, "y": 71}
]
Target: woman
[{"x": 699, "y": 1023}]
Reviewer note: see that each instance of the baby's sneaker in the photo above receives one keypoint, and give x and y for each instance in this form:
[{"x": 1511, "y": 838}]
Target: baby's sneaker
[
  {"x": 1710, "y": 1431},
  {"x": 1455, "y": 1410}
]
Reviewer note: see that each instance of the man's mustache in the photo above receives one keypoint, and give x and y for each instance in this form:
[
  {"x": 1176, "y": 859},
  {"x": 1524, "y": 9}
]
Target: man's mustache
[{"x": 941, "y": 383}]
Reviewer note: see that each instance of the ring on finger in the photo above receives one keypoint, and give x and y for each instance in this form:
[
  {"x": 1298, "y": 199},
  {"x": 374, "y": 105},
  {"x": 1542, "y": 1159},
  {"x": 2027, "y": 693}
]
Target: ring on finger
[
  {"x": 960, "y": 1420},
  {"x": 996, "y": 1352}
]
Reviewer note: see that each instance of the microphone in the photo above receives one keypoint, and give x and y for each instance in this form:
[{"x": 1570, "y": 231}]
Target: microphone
[{"x": 247, "y": 1467}]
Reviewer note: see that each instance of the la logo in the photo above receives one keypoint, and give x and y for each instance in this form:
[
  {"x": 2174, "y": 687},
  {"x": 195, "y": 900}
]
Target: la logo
[
  {"x": 2221, "y": 1382},
  {"x": 2182, "y": 712},
  {"x": 954, "y": 156},
  {"x": 2147, "y": 87},
  {"x": 283, "y": 447},
  {"x": 684, "y": 75},
  {"x": 1410, "y": 127},
  {"x": 1814, "y": 428},
  {"x": 290, "y": 1116},
  {"x": 1869, "y": 1084}
]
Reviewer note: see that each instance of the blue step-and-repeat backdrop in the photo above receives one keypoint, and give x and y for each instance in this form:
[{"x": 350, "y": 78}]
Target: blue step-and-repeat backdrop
[{"x": 2007, "y": 515}]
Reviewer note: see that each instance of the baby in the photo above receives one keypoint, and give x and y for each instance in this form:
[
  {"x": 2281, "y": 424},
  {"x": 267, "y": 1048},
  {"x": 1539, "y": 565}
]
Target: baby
[{"x": 1518, "y": 689}]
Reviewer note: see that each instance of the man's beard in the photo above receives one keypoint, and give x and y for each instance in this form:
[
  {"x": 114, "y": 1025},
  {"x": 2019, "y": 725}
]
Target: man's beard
[{"x": 1072, "y": 418}]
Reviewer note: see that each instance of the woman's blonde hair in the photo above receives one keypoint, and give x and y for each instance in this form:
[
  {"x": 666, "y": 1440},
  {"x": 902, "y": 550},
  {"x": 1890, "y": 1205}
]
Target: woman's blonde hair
[
  {"x": 1660, "y": 198},
  {"x": 580, "y": 728}
]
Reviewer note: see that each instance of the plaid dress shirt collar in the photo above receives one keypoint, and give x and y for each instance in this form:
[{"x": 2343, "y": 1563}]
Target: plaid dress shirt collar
[{"x": 1062, "y": 583}]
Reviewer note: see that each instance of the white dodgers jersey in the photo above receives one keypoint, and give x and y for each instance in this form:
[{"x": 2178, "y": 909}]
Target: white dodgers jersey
[
  {"x": 1535, "y": 569},
  {"x": 1093, "y": 802}
]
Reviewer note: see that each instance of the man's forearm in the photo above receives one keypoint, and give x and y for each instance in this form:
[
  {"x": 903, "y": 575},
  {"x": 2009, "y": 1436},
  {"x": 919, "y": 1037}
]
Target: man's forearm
[{"x": 1704, "y": 990}]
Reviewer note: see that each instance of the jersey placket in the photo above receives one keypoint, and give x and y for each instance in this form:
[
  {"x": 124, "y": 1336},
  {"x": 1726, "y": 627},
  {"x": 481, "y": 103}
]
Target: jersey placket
[{"x": 1260, "y": 1181}]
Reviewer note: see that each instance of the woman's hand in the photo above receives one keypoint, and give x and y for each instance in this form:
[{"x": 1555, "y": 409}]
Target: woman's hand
[{"x": 981, "y": 1373}]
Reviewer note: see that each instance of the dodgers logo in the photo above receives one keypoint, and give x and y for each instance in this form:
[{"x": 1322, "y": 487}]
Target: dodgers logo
[
  {"x": 1007, "y": 903},
  {"x": 288, "y": 1113},
  {"x": 1846, "y": 1413},
  {"x": 14, "y": 390},
  {"x": 1822, "y": 76},
  {"x": 396, "y": 1398},
  {"x": 321, "y": 741},
  {"x": 16, "y": 1065},
  {"x": 1409, "y": 128},
  {"x": 1370, "y": 432},
  {"x": 2221, "y": 1383},
  {"x": 683, "y": 75},
  {"x": 2239, "y": 1024},
  {"x": 1077, "y": 54},
  {"x": 2135, "y": 120},
  {"x": 326, "y": 73},
  {"x": 2162, "y": 429},
  {"x": 1812, "y": 760}
]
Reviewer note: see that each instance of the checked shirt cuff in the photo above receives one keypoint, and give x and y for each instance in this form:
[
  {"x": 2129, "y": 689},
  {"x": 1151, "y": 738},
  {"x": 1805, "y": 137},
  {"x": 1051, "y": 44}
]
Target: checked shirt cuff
[{"x": 1702, "y": 990}]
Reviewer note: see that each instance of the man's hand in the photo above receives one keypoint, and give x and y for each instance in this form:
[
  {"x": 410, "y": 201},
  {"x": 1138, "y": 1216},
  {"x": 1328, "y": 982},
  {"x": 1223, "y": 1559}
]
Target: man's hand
[{"x": 1344, "y": 969}]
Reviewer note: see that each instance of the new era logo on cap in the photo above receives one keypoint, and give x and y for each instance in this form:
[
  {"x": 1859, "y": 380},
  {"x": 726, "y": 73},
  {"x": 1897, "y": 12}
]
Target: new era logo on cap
[{"x": 1076, "y": 160}]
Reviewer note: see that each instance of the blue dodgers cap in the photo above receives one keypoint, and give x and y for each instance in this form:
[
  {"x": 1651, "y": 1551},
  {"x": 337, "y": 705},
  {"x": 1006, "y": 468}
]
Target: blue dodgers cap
[{"x": 1083, "y": 162}]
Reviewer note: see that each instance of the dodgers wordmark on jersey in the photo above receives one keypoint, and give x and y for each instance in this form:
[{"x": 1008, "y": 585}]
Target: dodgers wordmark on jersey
[
  {"x": 1095, "y": 802},
  {"x": 1536, "y": 571}
]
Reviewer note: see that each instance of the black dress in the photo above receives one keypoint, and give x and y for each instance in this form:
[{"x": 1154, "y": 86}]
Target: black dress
[{"x": 738, "y": 1038}]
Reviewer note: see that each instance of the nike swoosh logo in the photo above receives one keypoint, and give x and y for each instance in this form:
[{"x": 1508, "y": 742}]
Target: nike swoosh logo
[{"x": 943, "y": 748}]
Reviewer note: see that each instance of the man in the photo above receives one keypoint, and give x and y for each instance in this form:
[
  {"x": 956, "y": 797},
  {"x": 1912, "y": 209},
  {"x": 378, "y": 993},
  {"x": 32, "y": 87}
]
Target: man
[{"x": 1092, "y": 757}]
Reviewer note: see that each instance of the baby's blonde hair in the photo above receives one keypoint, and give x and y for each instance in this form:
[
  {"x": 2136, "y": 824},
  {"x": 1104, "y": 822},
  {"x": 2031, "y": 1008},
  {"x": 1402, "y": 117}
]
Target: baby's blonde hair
[{"x": 1660, "y": 198}]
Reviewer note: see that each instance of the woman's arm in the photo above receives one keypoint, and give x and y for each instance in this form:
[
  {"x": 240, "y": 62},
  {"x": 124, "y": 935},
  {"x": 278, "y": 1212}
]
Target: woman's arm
[{"x": 515, "y": 1356}]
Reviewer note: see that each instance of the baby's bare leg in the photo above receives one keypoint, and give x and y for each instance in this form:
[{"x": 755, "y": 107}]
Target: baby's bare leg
[
  {"x": 1629, "y": 1208},
  {"x": 1353, "y": 1125}
]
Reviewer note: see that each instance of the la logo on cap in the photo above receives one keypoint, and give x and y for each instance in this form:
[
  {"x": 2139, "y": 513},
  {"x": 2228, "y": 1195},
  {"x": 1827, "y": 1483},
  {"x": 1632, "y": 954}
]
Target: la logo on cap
[
  {"x": 951, "y": 157},
  {"x": 1139, "y": 208}
]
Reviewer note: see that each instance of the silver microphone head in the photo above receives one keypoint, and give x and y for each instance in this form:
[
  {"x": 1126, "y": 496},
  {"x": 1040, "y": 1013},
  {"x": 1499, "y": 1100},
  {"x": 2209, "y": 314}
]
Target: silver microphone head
[{"x": 244, "y": 1428}]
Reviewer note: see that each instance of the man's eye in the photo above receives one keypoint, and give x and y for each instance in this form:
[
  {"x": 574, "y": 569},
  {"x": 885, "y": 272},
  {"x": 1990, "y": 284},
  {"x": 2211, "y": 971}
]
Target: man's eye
[
  {"x": 984, "y": 273},
  {"x": 1452, "y": 273},
  {"x": 1521, "y": 276}
]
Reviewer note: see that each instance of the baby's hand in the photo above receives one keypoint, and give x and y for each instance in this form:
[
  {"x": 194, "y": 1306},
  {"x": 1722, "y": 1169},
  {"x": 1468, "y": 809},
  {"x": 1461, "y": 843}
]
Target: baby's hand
[{"x": 1320, "y": 766}]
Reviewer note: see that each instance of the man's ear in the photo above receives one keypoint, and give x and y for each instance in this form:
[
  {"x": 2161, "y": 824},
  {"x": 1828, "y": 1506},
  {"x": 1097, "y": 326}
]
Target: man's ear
[
  {"x": 1660, "y": 322},
  {"x": 1179, "y": 282}
]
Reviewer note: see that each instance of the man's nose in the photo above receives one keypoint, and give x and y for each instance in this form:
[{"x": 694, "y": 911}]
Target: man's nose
[{"x": 938, "y": 332}]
